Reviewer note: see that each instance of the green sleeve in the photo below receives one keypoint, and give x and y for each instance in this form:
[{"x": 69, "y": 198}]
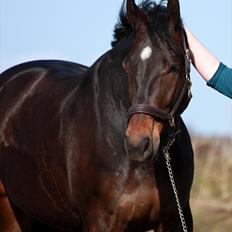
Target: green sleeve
[{"x": 222, "y": 80}]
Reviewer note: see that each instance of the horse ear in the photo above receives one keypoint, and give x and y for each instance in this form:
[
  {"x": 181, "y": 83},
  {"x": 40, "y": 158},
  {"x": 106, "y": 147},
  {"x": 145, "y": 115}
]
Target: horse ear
[
  {"x": 174, "y": 15},
  {"x": 135, "y": 16}
]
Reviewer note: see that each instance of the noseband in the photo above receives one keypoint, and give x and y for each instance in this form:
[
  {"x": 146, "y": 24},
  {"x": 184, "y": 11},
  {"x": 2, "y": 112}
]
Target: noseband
[{"x": 165, "y": 115}]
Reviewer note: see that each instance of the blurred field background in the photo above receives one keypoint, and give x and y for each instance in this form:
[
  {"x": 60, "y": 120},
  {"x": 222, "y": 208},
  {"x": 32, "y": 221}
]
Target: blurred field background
[{"x": 211, "y": 199}]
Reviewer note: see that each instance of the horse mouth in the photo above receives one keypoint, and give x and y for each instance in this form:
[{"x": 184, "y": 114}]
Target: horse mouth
[
  {"x": 139, "y": 153},
  {"x": 142, "y": 138}
]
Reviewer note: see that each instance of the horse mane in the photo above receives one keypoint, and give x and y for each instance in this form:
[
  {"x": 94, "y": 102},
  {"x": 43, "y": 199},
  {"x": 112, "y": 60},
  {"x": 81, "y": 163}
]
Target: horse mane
[{"x": 157, "y": 22}]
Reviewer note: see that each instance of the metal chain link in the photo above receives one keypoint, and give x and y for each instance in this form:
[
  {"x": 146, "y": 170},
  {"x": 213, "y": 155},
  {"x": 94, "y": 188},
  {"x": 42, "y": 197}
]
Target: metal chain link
[{"x": 172, "y": 180}]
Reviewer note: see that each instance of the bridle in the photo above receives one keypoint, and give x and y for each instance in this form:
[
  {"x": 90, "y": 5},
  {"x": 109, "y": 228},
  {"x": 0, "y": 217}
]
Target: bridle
[
  {"x": 162, "y": 114},
  {"x": 170, "y": 117}
]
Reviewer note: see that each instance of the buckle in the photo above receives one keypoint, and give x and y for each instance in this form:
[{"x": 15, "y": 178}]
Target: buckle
[
  {"x": 172, "y": 120},
  {"x": 188, "y": 55}
]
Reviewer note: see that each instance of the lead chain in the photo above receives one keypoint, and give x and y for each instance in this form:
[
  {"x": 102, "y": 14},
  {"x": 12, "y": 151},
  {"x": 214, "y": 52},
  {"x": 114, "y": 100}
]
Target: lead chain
[{"x": 170, "y": 173}]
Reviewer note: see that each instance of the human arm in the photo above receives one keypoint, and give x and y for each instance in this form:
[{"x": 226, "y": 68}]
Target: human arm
[
  {"x": 216, "y": 74},
  {"x": 203, "y": 60}
]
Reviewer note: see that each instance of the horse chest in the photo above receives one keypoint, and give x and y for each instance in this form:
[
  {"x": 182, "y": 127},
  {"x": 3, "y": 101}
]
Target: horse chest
[
  {"x": 135, "y": 201},
  {"x": 141, "y": 203}
]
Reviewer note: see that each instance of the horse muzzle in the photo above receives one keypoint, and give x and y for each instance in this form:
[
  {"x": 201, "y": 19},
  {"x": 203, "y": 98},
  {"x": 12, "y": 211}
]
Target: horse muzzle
[{"x": 142, "y": 138}]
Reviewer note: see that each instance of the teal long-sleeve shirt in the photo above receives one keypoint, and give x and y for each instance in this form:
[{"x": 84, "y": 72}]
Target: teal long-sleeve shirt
[{"x": 222, "y": 80}]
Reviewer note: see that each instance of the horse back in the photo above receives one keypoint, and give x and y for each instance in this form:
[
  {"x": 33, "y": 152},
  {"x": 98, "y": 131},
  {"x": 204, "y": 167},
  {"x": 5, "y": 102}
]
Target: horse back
[
  {"x": 62, "y": 69},
  {"x": 54, "y": 74},
  {"x": 38, "y": 88}
]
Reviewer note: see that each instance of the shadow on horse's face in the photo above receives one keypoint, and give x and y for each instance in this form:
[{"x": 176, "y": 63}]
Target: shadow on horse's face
[{"x": 155, "y": 71}]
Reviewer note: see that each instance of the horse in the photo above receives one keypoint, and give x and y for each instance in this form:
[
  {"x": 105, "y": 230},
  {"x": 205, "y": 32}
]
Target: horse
[{"x": 87, "y": 149}]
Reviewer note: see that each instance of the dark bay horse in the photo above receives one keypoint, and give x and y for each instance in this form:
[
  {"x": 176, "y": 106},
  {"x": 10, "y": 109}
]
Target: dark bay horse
[{"x": 83, "y": 149}]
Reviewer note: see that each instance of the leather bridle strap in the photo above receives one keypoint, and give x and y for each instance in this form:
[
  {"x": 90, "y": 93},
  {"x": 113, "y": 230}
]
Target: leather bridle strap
[
  {"x": 159, "y": 113},
  {"x": 162, "y": 114},
  {"x": 149, "y": 110}
]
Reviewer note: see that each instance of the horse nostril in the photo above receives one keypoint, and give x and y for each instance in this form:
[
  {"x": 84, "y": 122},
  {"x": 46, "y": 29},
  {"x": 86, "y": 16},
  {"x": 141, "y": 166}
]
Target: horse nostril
[
  {"x": 138, "y": 149},
  {"x": 144, "y": 144}
]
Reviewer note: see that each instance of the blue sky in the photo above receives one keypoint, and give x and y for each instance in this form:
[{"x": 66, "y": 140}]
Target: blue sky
[{"x": 81, "y": 31}]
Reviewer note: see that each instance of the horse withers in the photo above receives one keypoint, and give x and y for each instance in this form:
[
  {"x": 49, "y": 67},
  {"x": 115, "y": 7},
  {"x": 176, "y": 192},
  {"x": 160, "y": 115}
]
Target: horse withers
[{"x": 85, "y": 152}]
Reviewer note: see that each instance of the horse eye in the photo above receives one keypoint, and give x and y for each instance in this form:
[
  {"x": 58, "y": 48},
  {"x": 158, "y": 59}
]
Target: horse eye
[{"x": 173, "y": 70}]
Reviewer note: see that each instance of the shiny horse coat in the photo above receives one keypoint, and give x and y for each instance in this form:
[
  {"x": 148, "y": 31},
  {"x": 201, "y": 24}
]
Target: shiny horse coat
[{"x": 72, "y": 160}]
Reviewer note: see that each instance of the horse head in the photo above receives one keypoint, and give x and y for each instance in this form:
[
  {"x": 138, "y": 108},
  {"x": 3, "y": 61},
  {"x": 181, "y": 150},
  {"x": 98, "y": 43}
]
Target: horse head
[{"x": 158, "y": 75}]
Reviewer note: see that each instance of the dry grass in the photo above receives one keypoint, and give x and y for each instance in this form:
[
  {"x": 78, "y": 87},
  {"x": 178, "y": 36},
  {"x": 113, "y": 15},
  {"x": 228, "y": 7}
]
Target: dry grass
[{"x": 211, "y": 197}]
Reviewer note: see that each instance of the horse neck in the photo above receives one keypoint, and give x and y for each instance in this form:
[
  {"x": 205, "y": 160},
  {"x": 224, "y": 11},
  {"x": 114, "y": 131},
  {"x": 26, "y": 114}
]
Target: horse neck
[
  {"x": 106, "y": 82},
  {"x": 102, "y": 95}
]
